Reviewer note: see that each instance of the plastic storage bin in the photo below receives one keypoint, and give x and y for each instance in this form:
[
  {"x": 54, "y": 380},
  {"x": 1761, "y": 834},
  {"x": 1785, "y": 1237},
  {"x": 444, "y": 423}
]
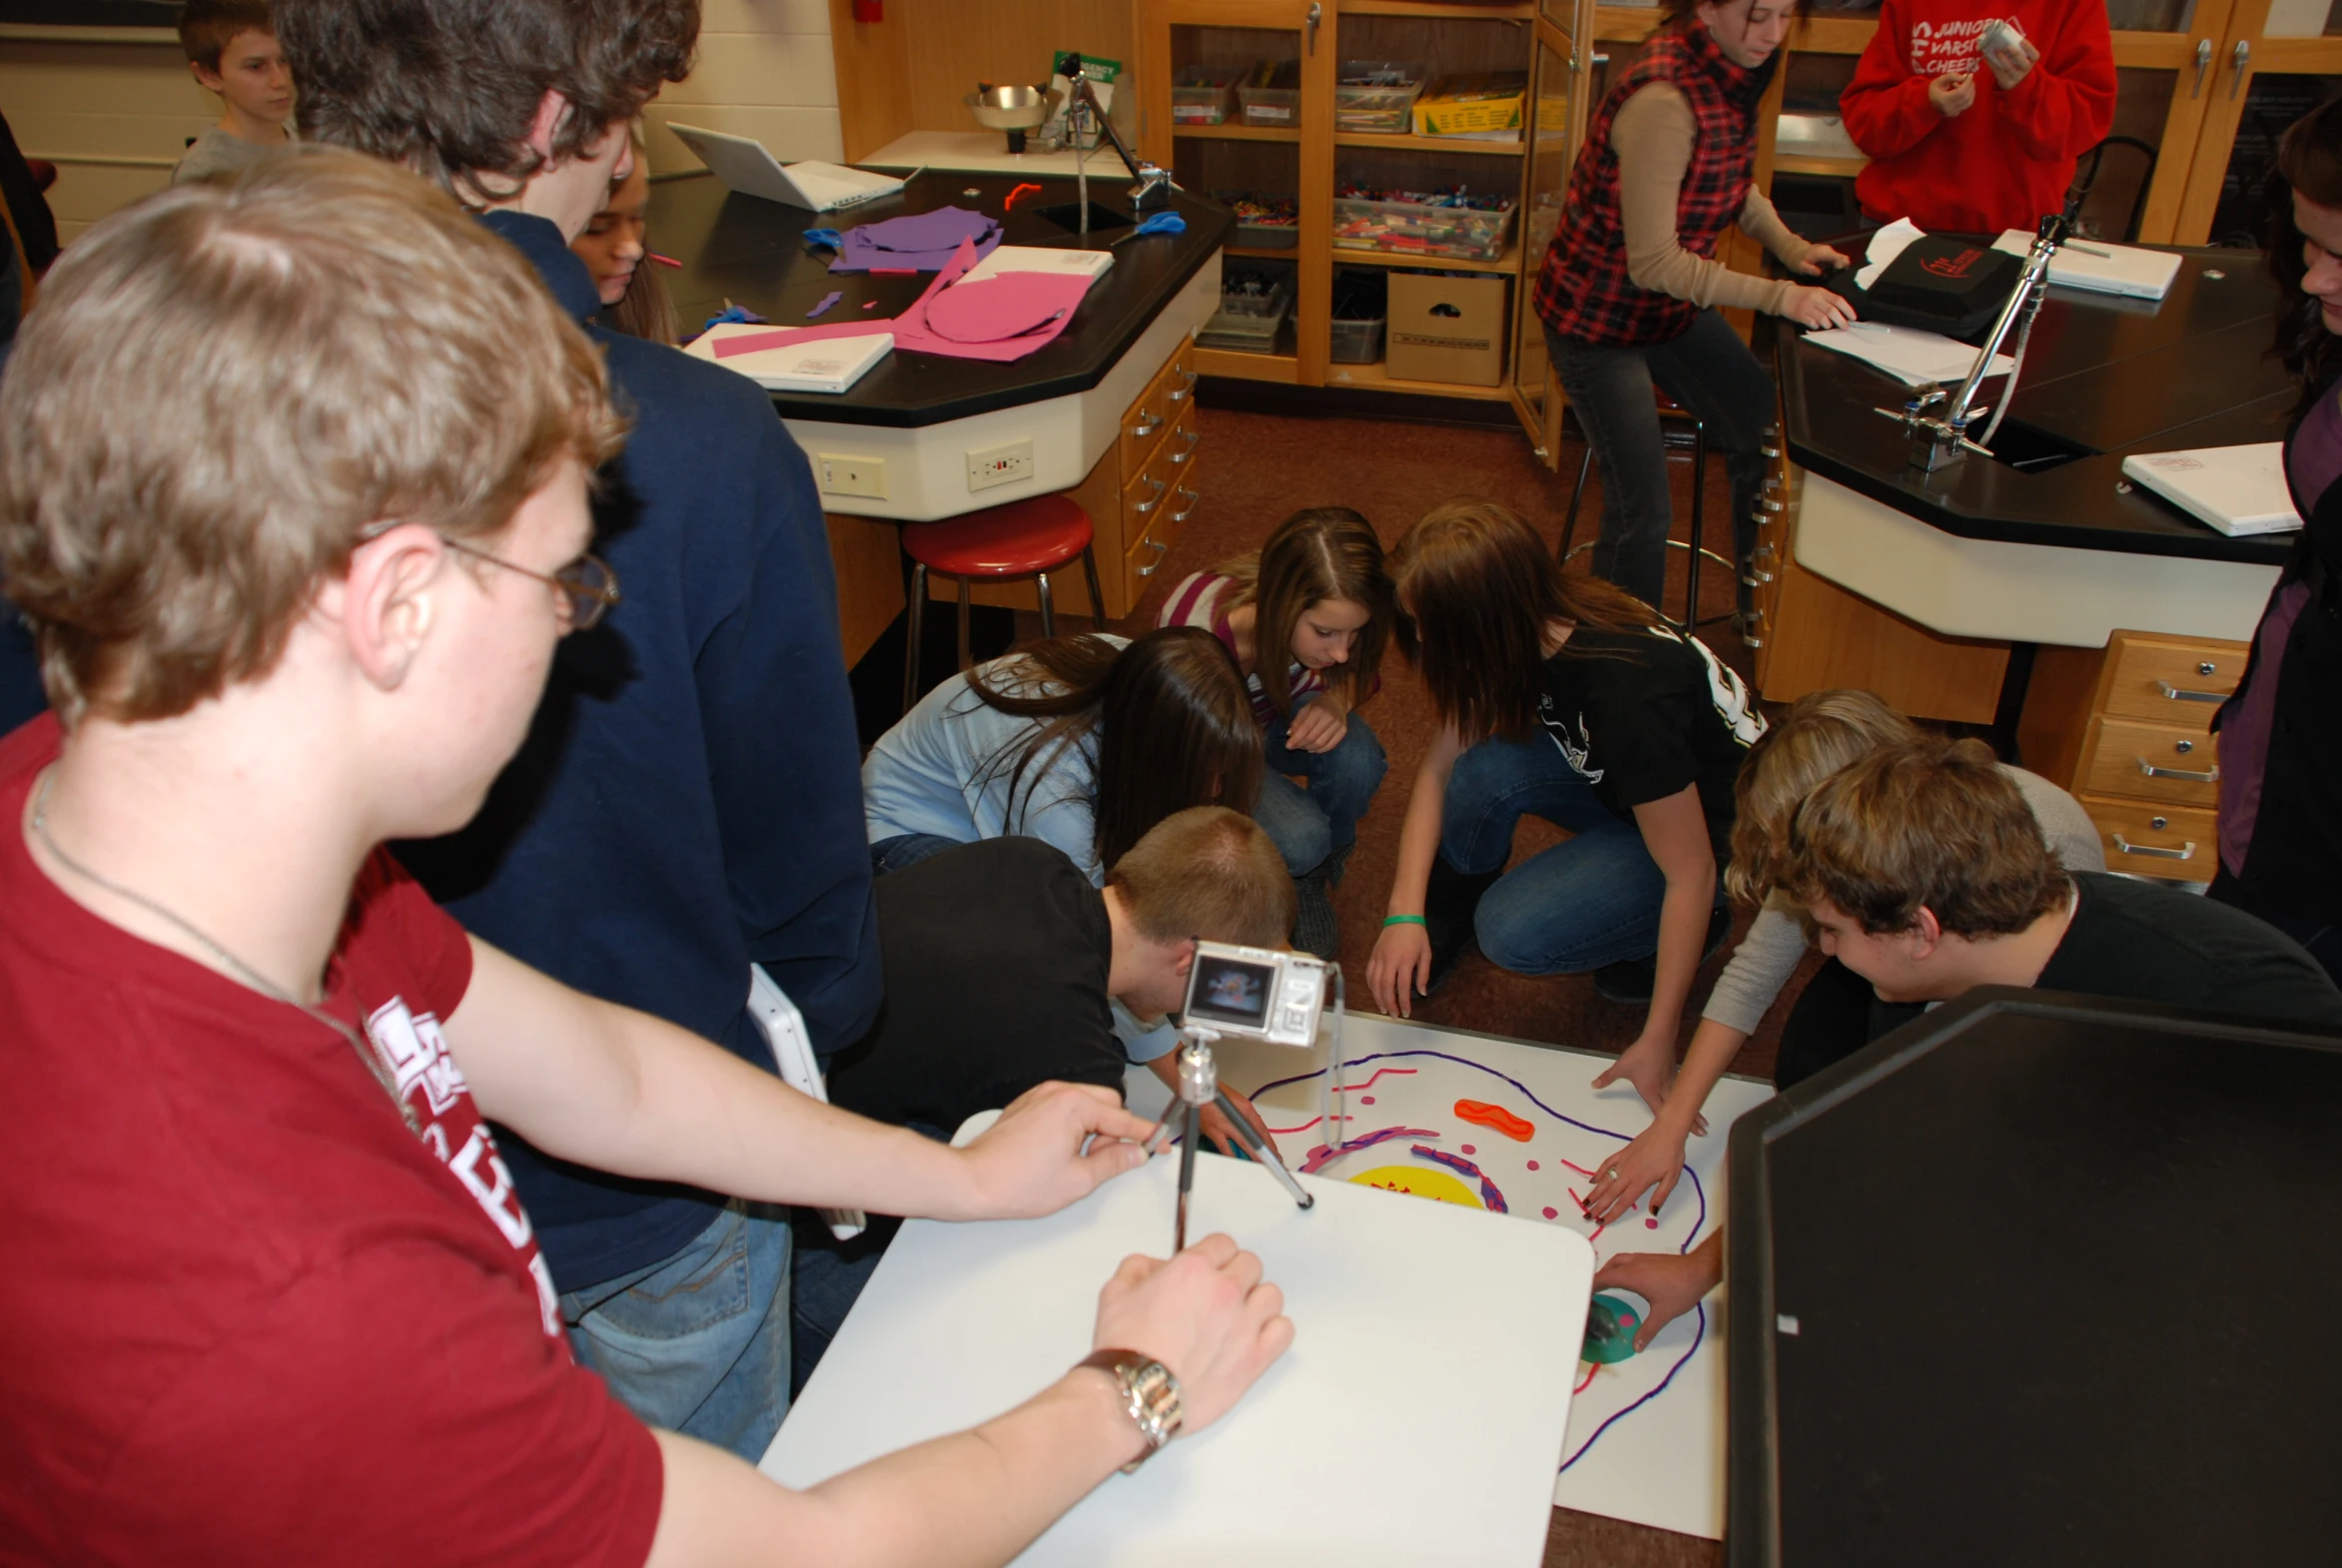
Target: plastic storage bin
[
  {"x": 1376, "y": 96},
  {"x": 1356, "y": 343},
  {"x": 1419, "y": 228},
  {"x": 1205, "y": 94},
  {"x": 1263, "y": 223},
  {"x": 1248, "y": 322},
  {"x": 1271, "y": 94}
]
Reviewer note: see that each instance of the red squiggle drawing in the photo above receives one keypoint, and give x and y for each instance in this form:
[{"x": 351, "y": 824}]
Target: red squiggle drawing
[{"x": 1496, "y": 1119}]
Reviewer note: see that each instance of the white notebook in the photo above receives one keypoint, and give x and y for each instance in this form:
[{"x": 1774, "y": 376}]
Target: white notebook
[
  {"x": 745, "y": 164},
  {"x": 2237, "y": 489},
  {"x": 826, "y": 365},
  {"x": 1040, "y": 258},
  {"x": 2122, "y": 269}
]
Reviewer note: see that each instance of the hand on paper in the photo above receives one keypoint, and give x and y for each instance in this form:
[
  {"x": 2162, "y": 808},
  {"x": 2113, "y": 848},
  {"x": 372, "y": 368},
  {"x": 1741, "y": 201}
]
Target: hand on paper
[
  {"x": 1649, "y": 1064},
  {"x": 1818, "y": 308},
  {"x": 1207, "y": 1315},
  {"x": 1319, "y": 726},
  {"x": 2010, "y": 66},
  {"x": 1671, "y": 1285},
  {"x": 1653, "y": 1161},
  {"x": 1815, "y": 260},
  {"x": 1953, "y": 93},
  {"x": 1029, "y": 1162},
  {"x": 1400, "y": 969}
]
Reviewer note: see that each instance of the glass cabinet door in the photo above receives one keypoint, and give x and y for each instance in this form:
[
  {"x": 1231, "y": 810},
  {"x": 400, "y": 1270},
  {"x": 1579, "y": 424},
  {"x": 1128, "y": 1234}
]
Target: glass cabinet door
[{"x": 1556, "y": 123}]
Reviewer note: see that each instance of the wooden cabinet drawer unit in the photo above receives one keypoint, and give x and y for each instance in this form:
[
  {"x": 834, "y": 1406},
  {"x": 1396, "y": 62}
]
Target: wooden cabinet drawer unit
[
  {"x": 2179, "y": 681},
  {"x": 2153, "y": 762},
  {"x": 2181, "y": 842}
]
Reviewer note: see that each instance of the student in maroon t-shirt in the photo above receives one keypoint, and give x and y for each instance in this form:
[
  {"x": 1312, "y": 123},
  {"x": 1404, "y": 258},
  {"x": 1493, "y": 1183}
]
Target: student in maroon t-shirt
[{"x": 293, "y": 495}]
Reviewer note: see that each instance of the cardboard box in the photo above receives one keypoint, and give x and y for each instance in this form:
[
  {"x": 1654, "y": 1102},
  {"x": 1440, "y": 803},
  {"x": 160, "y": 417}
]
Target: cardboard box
[
  {"x": 1446, "y": 329},
  {"x": 1484, "y": 105}
]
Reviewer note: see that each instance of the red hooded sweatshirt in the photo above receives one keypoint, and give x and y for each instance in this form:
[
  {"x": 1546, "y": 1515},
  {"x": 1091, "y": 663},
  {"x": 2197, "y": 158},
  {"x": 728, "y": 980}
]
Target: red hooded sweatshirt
[{"x": 2009, "y": 158}]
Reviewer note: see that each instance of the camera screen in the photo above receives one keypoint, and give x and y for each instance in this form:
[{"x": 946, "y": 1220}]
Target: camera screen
[{"x": 1230, "y": 991}]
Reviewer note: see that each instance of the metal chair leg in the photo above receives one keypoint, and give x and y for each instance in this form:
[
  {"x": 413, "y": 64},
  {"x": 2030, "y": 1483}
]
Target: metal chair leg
[
  {"x": 1048, "y": 620},
  {"x": 916, "y": 623},
  {"x": 967, "y": 659},
  {"x": 1691, "y": 579},
  {"x": 1577, "y": 495},
  {"x": 1097, "y": 599}
]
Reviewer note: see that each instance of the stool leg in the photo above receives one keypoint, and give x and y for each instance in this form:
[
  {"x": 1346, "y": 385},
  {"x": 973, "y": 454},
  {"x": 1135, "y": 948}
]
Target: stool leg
[
  {"x": 1690, "y": 571},
  {"x": 913, "y": 628},
  {"x": 1097, "y": 599},
  {"x": 967, "y": 659},
  {"x": 1049, "y": 619},
  {"x": 1577, "y": 494}
]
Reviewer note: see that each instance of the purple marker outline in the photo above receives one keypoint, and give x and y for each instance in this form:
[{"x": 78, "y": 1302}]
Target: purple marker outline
[
  {"x": 1457, "y": 1163},
  {"x": 1700, "y": 1332}
]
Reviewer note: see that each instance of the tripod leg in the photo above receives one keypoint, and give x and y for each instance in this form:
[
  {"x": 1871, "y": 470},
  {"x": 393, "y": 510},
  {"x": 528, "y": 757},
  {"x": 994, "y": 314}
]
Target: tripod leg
[{"x": 1191, "y": 1128}]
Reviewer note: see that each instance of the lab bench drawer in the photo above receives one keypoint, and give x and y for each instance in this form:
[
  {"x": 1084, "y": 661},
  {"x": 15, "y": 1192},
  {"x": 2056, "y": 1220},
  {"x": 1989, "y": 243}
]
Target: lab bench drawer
[
  {"x": 2180, "y": 842},
  {"x": 1152, "y": 545},
  {"x": 2174, "y": 681},
  {"x": 1149, "y": 491},
  {"x": 1168, "y": 396},
  {"x": 2154, "y": 762}
]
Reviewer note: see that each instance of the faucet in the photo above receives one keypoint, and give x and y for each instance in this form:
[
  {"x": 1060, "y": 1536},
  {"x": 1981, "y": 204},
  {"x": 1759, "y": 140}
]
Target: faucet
[{"x": 1154, "y": 179}]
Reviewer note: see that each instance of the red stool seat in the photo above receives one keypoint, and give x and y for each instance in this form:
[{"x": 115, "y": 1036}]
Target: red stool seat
[{"x": 1016, "y": 540}]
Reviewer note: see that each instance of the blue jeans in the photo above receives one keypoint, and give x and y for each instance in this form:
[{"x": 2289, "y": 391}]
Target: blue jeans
[
  {"x": 698, "y": 1342},
  {"x": 906, "y": 849},
  {"x": 1310, "y": 824},
  {"x": 1711, "y": 372},
  {"x": 1589, "y": 901}
]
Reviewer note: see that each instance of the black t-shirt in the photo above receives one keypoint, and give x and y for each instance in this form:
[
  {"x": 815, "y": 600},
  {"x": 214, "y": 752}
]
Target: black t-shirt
[
  {"x": 1640, "y": 714},
  {"x": 2147, "y": 942},
  {"x": 996, "y": 957}
]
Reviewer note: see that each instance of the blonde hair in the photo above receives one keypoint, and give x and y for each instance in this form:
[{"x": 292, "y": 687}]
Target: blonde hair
[
  {"x": 1317, "y": 554},
  {"x": 1823, "y": 732},
  {"x": 1206, "y": 872},
  {"x": 227, "y": 383}
]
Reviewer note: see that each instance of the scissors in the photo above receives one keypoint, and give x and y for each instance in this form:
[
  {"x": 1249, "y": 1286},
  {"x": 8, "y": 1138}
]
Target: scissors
[{"x": 1160, "y": 222}]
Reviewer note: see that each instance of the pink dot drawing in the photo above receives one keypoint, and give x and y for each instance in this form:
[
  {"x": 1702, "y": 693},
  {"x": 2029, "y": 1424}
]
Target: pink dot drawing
[
  {"x": 1470, "y": 1149},
  {"x": 1365, "y": 1100},
  {"x": 1650, "y": 1225},
  {"x": 1532, "y": 1165},
  {"x": 1552, "y": 1214}
]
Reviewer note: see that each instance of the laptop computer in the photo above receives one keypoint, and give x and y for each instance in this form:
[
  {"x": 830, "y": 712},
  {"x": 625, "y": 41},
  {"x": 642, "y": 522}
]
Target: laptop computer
[
  {"x": 744, "y": 165},
  {"x": 2237, "y": 489},
  {"x": 2118, "y": 269}
]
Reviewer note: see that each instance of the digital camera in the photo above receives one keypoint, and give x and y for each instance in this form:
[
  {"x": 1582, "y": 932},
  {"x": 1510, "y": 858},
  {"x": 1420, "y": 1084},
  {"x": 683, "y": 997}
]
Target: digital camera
[{"x": 1258, "y": 991}]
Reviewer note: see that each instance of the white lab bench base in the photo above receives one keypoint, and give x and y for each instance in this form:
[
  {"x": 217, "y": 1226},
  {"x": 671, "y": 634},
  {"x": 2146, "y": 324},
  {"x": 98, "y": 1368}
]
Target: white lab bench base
[
  {"x": 1417, "y": 1419},
  {"x": 1990, "y": 588},
  {"x": 926, "y": 465}
]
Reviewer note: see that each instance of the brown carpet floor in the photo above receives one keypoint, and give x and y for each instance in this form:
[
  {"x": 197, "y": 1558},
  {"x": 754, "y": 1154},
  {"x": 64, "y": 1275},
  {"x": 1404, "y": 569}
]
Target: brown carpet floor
[{"x": 1256, "y": 468}]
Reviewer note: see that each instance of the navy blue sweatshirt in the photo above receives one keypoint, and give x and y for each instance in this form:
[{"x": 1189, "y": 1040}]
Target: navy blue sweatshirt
[{"x": 689, "y": 798}]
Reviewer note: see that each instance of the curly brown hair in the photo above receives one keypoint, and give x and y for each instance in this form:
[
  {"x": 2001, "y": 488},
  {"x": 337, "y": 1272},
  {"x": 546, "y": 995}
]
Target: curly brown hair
[{"x": 451, "y": 88}]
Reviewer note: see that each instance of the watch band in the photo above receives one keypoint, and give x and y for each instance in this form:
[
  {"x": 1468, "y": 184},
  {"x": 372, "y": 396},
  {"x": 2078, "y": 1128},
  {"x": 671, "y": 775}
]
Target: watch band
[{"x": 1150, "y": 1395}]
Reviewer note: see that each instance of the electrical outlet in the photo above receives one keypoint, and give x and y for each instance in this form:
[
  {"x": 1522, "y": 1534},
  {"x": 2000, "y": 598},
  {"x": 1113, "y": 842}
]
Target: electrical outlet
[
  {"x": 843, "y": 476},
  {"x": 1004, "y": 464}
]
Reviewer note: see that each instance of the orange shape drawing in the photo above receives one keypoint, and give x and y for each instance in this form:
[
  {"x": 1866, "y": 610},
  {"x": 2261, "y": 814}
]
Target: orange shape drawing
[
  {"x": 1496, "y": 1119},
  {"x": 1436, "y": 1185}
]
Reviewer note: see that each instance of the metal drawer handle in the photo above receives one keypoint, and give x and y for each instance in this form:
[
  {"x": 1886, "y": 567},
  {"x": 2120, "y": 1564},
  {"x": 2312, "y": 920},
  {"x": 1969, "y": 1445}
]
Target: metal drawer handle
[
  {"x": 1148, "y": 506},
  {"x": 1180, "y": 393},
  {"x": 1772, "y": 482},
  {"x": 2186, "y": 852},
  {"x": 1763, "y": 506},
  {"x": 1161, "y": 550},
  {"x": 1757, "y": 576},
  {"x": 1193, "y": 499},
  {"x": 1770, "y": 451},
  {"x": 1193, "y": 437},
  {"x": 1749, "y": 625},
  {"x": 2153, "y": 772},
  {"x": 1148, "y": 425},
  {"x": 2182, "y": 695}
]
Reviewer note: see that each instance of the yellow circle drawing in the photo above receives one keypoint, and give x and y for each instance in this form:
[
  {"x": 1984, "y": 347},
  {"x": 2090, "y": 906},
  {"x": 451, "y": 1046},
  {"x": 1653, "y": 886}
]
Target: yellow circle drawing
[{"x": 1418, "y": 1182}]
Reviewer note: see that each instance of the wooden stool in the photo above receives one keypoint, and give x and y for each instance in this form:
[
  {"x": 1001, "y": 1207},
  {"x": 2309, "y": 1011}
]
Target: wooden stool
[
  {"x": 1027, "y": 539},
  {"x": 1669, "y": 412}
]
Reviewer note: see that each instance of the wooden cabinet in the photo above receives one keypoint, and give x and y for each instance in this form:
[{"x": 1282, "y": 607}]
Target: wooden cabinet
[{"x": 2127, "y": 728}]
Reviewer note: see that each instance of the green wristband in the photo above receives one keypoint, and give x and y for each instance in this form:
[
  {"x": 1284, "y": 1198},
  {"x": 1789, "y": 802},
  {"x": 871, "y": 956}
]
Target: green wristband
[{"x": 1405, "y": 920}]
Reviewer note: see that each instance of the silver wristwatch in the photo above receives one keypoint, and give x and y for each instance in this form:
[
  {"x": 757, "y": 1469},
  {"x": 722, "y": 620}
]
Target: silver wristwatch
[{"x": 1149, "y": 1393}]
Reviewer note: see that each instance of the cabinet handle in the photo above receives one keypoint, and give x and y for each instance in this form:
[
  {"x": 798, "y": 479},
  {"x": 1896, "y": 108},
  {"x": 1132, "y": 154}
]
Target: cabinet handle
[
  {"x": 1757, "y": 576},
  {"x": 1751, "y": 624},
  {"x": 2124, "y": 846},
  {"x": 1180, "y": 393},
  {"x": 1195, "y": 498},
  {"x": 1148, "y": 425},
  {"x": 1770, "y": 451},
  {"x": 1764, "y": 506},
  {"x": 2203, "y": 63},
  {"x": 2152, "y": 771},
  {"x": 2182, "y": 695},
  {"x": 1143, "y": 507},
  {"x": 1161, "y": 550},
  {"x": 2240, "y": 58},
  {"x": 1194, "y": 436}
]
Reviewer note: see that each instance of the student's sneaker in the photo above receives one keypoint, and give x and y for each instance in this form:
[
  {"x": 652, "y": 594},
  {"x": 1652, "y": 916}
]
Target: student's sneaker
[
  {"x": 1633, "y": 979},
  {"x": 1314, "y": 928}
]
